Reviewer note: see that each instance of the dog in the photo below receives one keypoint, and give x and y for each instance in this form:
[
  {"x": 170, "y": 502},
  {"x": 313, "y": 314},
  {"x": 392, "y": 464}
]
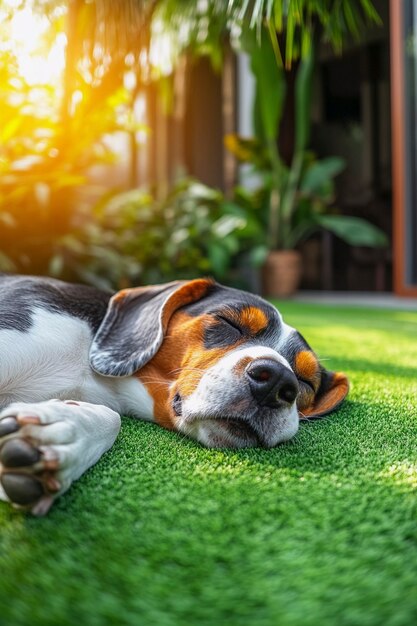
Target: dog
[{"x": 211, "y": 362}]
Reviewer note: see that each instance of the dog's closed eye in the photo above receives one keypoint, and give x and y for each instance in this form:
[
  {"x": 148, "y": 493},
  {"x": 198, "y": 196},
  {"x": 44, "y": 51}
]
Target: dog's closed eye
[
  {"x": 229, "y": 322},
  {"x": 224, "y": 332}
]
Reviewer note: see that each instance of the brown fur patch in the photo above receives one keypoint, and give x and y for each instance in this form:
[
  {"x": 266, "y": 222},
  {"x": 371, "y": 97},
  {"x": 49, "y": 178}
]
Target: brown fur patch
[
  {"x": 122, "y": 294},
  {"x": 190, "y": 292},
  {"x": 179, "y": 364},
  {"x": 240, "y": 367},
  {"x": 252, "y": 319},
  {"x": 306, "y": 365}
]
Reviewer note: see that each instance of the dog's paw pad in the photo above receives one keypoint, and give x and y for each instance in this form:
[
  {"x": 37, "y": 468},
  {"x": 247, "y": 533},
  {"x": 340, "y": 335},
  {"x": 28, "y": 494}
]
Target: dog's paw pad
[
  {"x": 22, "y": 489},
  {"x": 27, "y": 471},
  {"x": 18, "y": 453},
  {"x": 8, "y": 425}
]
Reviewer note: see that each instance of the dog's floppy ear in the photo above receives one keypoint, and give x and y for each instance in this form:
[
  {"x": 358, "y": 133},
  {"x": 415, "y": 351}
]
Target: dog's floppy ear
[
  {"x": 321, "y": 391},
  {"x": 135, "y": 324},
  {"x": 333, "y": 389}
]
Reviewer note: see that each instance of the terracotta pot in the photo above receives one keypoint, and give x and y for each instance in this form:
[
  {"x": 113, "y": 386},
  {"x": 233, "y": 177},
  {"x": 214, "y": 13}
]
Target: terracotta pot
[{"x": 281, "y": 273}]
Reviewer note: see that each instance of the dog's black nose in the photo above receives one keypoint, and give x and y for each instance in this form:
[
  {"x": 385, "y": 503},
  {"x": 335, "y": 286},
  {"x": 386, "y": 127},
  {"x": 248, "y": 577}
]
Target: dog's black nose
[{"x": 271, "y": 383}]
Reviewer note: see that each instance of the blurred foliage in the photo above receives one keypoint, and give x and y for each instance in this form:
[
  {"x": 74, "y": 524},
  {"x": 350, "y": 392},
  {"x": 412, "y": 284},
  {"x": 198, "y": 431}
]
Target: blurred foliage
[
  {"x": 298, "y": 191},
  {"x": 103, "y": 33},
  {"x": 201, "y": 26},
  {"x": 314, "y": 200},
  {"x": 45, "y": 157},
  {"x": 52, "y": 135},
  {"x": 50, "y": 219},
  {"x": 133, "y": 238},
  {"x": 301, "y": 22}
]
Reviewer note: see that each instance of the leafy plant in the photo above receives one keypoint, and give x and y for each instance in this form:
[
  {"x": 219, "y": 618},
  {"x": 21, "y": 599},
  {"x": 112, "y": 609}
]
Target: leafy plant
[
  {"x": 132, "y": 237},
  {"x": 300, "y": 194}
]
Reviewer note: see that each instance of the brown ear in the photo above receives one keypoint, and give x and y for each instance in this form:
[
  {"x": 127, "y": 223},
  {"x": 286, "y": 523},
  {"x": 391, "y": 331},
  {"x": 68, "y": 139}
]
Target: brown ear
[
  {"x": 333, "y": 389},
  {"x": 135, "y": 324}
]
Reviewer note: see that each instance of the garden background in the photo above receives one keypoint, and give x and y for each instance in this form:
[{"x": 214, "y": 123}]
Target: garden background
[{"x": 107, "y": 161}]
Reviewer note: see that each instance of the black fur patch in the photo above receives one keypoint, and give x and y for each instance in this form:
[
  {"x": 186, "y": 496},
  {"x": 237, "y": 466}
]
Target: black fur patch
[{"x": 21, "y": 295}]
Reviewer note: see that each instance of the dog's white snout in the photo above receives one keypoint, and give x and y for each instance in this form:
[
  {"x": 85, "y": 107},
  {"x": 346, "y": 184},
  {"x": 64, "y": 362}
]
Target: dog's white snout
[{"x": 247, "y": 398}]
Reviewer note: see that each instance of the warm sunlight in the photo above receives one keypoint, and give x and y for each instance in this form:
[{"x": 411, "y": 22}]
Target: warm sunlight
[
  {"x": 161, "y": 53},
  {"x": 38, "y": 64}
]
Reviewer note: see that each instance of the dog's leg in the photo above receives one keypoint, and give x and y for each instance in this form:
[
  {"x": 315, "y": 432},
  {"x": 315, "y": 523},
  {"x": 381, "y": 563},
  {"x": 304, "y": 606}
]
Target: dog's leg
[{"x": 45, "y": 446}]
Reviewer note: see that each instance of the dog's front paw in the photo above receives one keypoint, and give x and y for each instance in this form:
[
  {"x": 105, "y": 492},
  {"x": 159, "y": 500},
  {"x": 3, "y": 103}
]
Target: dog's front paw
[
  {"x": 44, "y": 447},
  {"x": 29, "y": 462},
  {"x": 28, "y": 476}
]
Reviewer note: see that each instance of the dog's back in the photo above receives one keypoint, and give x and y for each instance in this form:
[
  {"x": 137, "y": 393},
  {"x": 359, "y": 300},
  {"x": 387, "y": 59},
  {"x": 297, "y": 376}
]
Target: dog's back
[{"x": 22, "y": 296}]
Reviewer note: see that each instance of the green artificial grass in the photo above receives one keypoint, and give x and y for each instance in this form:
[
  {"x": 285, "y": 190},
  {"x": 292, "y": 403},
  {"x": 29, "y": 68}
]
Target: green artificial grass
[{"x": 319, "y": 531}]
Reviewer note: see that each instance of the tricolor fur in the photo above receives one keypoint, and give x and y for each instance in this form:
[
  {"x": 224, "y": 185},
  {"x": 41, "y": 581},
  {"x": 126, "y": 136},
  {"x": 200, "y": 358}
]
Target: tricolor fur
[{"x": 217, "y": 364}]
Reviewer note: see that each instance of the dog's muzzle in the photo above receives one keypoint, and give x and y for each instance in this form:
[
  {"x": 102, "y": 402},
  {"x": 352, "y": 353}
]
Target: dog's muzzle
[{"x": 241, "y": 405}]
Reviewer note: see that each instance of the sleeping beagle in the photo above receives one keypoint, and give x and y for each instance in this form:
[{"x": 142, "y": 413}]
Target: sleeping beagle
[{"x": 214, "y": 363}]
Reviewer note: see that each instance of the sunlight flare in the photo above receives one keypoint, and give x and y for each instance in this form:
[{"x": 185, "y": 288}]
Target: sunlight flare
[{"x": 37, "y": 64}]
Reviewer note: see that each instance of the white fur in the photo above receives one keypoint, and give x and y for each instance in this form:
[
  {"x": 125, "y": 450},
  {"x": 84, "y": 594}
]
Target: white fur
[
  {"x": 51, "y": 360},
  {"x": 222, "y": 389}
]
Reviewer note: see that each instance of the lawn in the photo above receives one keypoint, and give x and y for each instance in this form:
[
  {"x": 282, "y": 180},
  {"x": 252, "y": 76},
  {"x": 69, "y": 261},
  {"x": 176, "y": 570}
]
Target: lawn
[{"x": 320, "y": 531}]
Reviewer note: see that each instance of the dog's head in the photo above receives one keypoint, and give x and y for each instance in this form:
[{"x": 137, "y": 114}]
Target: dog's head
[{"x": 220, "y": 364}]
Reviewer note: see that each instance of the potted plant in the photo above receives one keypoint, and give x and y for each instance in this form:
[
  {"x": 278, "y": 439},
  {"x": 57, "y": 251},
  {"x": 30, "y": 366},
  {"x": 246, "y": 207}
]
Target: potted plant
[{"x": 298, "y": 196}]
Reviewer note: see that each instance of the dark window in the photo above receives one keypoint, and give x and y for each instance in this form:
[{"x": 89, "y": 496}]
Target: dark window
[{"x": 341, "y": 86}]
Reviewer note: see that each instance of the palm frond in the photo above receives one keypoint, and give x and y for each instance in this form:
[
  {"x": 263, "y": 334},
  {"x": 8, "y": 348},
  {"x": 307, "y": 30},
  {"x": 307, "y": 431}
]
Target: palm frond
[{"x": 120, "y": 27}]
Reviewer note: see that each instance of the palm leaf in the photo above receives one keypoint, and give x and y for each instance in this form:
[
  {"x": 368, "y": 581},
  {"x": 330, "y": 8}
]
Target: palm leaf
[{"x": 353, "y": 230}]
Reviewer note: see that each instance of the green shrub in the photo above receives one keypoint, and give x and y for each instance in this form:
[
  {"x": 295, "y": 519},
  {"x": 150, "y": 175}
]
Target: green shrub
[{"x": 132, "y": 238}]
